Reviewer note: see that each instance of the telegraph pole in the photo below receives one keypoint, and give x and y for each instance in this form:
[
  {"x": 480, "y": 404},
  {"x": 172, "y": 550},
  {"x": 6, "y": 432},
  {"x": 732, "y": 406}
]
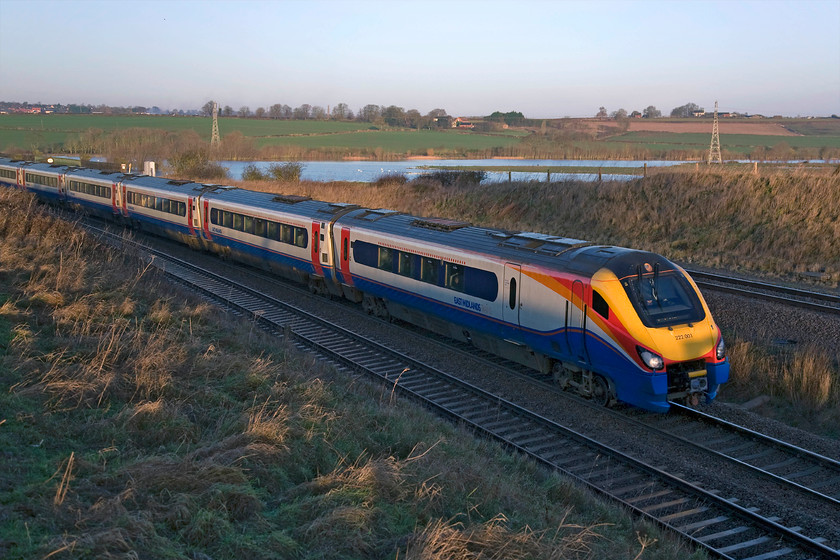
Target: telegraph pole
[
  {"x": 215, "y": 140},
  {"x": 714, "y": 148}
]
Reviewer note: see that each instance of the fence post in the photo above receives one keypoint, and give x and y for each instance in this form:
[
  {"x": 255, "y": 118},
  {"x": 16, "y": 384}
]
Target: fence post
[
  {"x": 645, "y": 172},
  {"x": 548, "y": 180}
]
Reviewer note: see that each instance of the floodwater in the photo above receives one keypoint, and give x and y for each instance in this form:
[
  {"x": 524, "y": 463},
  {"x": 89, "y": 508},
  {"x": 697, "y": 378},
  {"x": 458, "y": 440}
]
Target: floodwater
[{"x": 370, "y": 171}]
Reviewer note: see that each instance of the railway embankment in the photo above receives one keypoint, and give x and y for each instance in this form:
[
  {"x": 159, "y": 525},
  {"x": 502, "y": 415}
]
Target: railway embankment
[{"x": 138, "y": 422}]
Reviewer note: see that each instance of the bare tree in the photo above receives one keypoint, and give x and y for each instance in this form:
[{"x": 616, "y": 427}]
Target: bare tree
[
  {"x": 340, "y": 111},
  {"x": 207, "y": 108},
  {"x": 260, "y": 112},
  {"x": 244, "y": 111},
  {"x": 651, "y": 113},
  {"x": 302, "y": 112}
]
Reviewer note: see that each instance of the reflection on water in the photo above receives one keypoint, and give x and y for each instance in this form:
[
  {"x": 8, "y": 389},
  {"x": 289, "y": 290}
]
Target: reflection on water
[{"x": 369, "y": 171}]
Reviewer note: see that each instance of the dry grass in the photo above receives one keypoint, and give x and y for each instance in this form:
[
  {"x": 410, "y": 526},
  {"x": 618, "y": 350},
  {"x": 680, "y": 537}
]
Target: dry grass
[{"x": 805, "y": 378}]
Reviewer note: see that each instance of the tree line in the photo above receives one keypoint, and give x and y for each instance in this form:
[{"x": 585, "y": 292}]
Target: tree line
[{"x": 390, "y": 115}]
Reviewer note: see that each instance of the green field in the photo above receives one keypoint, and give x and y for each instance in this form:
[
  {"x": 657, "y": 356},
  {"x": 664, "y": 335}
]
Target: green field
[
  {"x": 289, "y": 138},
  {"x": 51, "y": 131}
]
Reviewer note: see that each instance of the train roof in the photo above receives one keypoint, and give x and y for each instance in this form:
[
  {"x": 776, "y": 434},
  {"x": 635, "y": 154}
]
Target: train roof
[
  {"x": 303, "y": 206},
  {"x": 568, "y": 254}
]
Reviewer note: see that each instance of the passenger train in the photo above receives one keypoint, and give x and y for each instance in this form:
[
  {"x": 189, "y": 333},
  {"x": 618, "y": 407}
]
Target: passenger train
[{"x": 611, "y": 323}]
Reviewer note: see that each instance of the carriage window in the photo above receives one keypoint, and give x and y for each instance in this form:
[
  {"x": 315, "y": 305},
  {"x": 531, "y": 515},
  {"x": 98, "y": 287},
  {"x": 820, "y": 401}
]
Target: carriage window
[
  {"x": 406, "y": 264},
  {"x": 429, "y": 270},
  {"x": 248, "y": 224},
  {"x": 455, "y": 277},
  {"x": 300, "y": 236},
  {"x": 259, "y": 227},
  {"x": 273, "y": 230},
  {"x": 238, "y": 222},
  {"x": 386, "y": 259}
]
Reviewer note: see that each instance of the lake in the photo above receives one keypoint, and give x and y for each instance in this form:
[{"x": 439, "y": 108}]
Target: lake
[{"x": 370, "y": 171}]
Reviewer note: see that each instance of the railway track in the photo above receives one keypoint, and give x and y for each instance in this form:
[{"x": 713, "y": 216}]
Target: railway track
[
  {"x": 807, "y": 299},
  {"x": 721, "y": 526}
]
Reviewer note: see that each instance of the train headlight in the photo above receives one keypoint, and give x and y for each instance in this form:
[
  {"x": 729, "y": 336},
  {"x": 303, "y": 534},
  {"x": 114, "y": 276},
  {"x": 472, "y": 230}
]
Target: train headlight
[
  {"x": 721, "y": 349},
  {"x": 651, "y": 360}
]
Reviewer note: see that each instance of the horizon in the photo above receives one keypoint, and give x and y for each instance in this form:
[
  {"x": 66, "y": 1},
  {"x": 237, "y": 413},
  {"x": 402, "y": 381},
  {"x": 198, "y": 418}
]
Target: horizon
[{"x": 544, "y": 59}]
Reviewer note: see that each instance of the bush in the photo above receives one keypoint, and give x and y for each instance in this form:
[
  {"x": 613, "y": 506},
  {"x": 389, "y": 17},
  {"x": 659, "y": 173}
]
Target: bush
[
  {"x": 390, "y": 179},
  {"x": 196, "y": 165},
  {"x": 289, "y": 171},
  {"x": 448, "y": 178},
  {"x": 253, "y": 173}
]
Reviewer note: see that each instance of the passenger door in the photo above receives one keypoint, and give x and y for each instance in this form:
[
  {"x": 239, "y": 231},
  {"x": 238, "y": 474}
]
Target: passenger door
[{"x": 577, "y": 323}]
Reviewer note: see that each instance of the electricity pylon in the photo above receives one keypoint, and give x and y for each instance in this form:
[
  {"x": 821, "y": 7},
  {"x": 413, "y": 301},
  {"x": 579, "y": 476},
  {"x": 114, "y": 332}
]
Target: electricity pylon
[
  {"x": 215, "y": 140},
  {"x": 714, "y": 148}
]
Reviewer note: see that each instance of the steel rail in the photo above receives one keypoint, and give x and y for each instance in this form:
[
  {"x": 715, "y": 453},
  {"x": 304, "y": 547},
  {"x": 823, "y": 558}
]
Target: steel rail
[{"x": 766, "y": 291}]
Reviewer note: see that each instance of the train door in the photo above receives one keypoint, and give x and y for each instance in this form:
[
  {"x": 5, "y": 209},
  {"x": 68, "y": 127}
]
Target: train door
[
  {"x": 513, "y": 290},
  {"x": 123, "y": 199},
  {"x": 344, "y": 256},
  {"x": 577, "y": 323},
  {"x": 115, "y": 199},
  {"x": 192, "y": 215},
  {"x": 315, "y": 248}
]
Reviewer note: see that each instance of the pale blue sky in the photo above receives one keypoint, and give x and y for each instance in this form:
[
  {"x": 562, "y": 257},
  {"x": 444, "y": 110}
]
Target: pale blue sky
[{"x": 543, "y": 58}]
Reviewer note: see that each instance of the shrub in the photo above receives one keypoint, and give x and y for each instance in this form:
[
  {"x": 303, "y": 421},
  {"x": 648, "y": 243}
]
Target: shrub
[
  {"x": 390, "y": 179},
  {"x": 253, "y": 173},
  {"x": 289, "y": 171},
  {"x": 449, "y": 178}
]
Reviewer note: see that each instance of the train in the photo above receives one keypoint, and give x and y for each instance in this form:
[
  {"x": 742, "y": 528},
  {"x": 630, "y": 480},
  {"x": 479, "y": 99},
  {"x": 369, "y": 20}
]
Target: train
[{"x": 613, "y": 324}]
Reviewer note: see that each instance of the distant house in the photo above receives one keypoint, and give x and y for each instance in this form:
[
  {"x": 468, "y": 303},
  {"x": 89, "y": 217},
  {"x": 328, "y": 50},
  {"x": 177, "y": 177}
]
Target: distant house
[
  {"x": 462, "y": 123},
  {"x": 727, "y": 115},
  {"x": 699, "y": 113}
]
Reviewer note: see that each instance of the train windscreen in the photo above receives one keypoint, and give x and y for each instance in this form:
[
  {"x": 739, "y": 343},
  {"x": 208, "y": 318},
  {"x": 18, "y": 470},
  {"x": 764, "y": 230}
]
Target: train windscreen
[{"x": 664, "y": 299}]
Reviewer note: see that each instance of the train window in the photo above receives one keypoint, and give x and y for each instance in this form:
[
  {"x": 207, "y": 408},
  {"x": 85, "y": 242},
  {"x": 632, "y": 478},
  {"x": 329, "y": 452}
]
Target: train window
[
  {"x": 386, "y": 259},
  {"x": 600, "y": 305},
  {"x": 481, "y": 283},
  {"x": 248, "y": 224},
  {"x": 227, "y": 219},
  {"x": 166, "y": 205},
  {"x": 454, "y": 277},
  {"x": 345, "y": 253},
  {"x": 238, "y": 222},
  {"x": 159, "y": 204},
  {"x": 300, "y": 237},
  {"x": 405, "y": 264},
  {"x": 664, "y": 300},
  {"x": 8, "y": 174},
  {"x": 272, "y": 230},
  {"x": 512, "y": 297},
  {"x": 429, "y": 270},
  {"x": 182, "y": 208},
  {"x": 259, "y": 227},
  {"x": 214, "y": 216}
]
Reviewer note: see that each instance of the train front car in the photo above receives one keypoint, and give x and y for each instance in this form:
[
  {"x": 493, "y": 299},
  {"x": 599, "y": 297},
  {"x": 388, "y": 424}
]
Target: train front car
[{"x": 659, "y": 339}]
